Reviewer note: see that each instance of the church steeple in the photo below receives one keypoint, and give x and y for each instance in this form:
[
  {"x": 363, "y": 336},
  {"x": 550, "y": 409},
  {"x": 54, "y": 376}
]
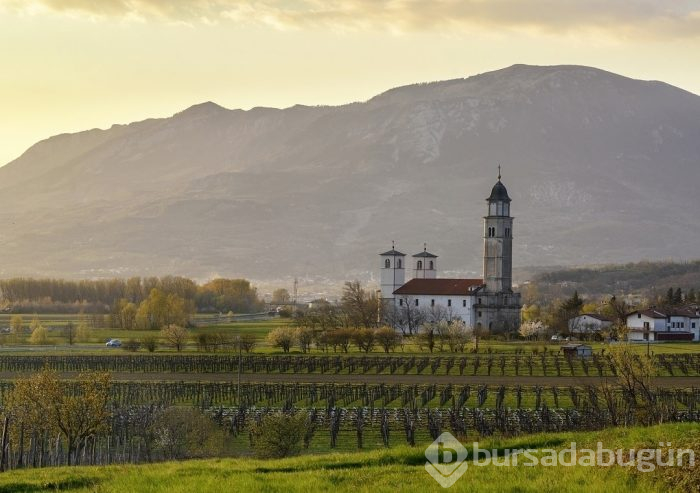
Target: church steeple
[
  {"x": 425, "y": 264},
  {"x": 498, "y": 240},
  {"x": 392, "y": 271}
]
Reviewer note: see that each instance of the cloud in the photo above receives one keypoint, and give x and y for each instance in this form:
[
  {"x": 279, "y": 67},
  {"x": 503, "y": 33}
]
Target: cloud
[{"x": 625, "y": 18}]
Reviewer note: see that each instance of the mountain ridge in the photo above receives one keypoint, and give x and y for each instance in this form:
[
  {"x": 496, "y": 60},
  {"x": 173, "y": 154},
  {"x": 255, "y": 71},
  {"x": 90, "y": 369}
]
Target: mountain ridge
[{"x": 592, "y": 160}]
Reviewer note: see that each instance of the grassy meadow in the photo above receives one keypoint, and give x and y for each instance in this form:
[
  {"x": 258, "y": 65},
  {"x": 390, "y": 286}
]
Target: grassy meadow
[{"x": 397, "y": 469}]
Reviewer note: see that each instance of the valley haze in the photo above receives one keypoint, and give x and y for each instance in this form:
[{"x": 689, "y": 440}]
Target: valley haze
[{"x": 601, "y": 168}]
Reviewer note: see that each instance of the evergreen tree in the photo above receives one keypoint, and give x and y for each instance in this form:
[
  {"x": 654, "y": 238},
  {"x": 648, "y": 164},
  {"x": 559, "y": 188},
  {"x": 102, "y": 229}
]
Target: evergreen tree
[
  {"x": 573, "y": 304},
  {"x": 568, "y": 309},
  {"x": 669, "y": 296},
  {"x": 691, "y": 297},
  {"x": 678, "y": 297}
]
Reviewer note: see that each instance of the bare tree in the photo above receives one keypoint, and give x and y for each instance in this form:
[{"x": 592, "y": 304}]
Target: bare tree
[
  {"x": 70, "y": 332},
  {"x": 408, "y": 316},
  {"x": 458, "y": 335},
  {"x": 362, "y": 307},
  {"x": 174, "y": 336}
]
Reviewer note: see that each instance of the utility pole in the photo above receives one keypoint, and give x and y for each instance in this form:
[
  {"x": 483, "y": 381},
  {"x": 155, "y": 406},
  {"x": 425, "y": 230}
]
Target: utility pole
[
  {"x": 240, "y": 358},
  {"x": 647, "y": 334}
]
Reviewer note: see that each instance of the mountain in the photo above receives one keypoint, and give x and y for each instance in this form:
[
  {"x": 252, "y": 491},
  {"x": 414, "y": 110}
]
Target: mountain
[{"x": 601, "y": 168}]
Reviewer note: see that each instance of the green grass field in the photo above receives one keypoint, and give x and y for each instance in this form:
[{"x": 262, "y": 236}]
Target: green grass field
[
  {"x": 56, "y": 337},
  {"x": 396, "y": 469}
]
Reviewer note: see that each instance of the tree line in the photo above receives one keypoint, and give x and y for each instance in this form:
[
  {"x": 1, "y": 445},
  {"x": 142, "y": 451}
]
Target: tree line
[{"x": 100, "y": 296}]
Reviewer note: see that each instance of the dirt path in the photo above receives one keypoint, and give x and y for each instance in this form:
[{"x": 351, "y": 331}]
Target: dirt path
[{"x": 667, "y": 382}]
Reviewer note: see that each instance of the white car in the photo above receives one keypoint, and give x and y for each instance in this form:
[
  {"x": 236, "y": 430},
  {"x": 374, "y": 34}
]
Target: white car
[
  {"x": 556, "y": 338},
  {"x": 114, "y": 343}
]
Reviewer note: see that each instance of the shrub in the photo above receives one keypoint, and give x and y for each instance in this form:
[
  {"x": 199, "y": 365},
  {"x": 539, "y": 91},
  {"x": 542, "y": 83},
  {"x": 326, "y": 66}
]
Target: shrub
[
  {"x": 387, "y": 338},
  {"x": 364, "y": 339},
  {"x": 205, "y": 342},
  {"x": 282, "y": 337},
  {"x": 279, "y": 435},
  {"x": 186, "y": 433},
  {"x": 339, "y": 338},
  {"x": 150, "y": 343},
  {"x": 247, "y": 342},
  {"x": 83, "y": 332},
  {"x": 40, "y": 336},
  {"x": 132, "y": 345},
  {"x": 224, "y": 340}
]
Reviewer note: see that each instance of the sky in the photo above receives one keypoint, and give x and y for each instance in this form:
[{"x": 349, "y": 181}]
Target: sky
[{"x": 71, "y": 65}]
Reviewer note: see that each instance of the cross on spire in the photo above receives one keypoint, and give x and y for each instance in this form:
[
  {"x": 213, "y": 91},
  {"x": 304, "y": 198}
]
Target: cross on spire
[
  {"x": 425, "y": 247},
  {"x": 499, "y": 172}
]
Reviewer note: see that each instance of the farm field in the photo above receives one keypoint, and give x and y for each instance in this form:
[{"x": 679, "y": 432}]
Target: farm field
[
  {"x": 401, "y": 468},
  {"x": 352, "y": 400},
  {"x": 209, "y": 324},
  {"x": 320, "y": 367}
]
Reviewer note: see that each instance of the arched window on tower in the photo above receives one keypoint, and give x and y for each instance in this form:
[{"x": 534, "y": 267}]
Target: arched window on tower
[
  {"x": 387, "y": 263},
  {"x": 431, "y": 265},
  {"x": 398, "y": 264},
  {"x": 419, "y": 265}
]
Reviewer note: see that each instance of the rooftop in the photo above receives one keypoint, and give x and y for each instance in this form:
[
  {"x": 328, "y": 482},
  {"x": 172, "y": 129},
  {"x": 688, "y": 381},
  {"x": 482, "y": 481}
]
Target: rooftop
[
  {"x": 440, "y": 287},
  {"x": 392, "y": 253},
  {"x": 499, "y": 192}
]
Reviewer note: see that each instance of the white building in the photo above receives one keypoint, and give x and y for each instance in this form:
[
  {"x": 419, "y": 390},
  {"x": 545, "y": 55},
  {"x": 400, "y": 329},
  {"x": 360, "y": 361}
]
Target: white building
[
  {"x": 678, "y": 324},
  {"x": 589, "y": 323},
  {"x": 487, "y": 303}
]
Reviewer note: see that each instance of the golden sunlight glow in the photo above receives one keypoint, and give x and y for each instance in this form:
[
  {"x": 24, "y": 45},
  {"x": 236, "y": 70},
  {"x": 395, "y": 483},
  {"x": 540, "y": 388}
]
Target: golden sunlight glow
[{"x": 70, "y": 65}]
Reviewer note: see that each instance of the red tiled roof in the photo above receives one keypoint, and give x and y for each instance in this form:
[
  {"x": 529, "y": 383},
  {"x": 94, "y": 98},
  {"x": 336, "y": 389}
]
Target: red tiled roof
[{"x": 440, "y": 287}]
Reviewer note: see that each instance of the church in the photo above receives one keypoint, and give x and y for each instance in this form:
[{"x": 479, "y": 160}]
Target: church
[{"x": 487, "y": 303}]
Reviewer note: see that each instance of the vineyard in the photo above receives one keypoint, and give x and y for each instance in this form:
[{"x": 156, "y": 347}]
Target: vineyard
[
  {"x": 381, "y": 411},
  {"x": 489, "y": 364},
  {"x": 346, "y": 417},
  {"x": 327, "y": 396}
]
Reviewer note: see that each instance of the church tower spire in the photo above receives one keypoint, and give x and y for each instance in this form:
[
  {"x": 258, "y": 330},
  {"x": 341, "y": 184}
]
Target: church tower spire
[{"x": 498, "y": 241}]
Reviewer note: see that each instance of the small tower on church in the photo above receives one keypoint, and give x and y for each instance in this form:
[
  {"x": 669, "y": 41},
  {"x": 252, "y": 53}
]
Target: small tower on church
[
  {"x": 424, "y": 264},
  {"x": 498, "y": 241},
  {"x": 393, "y": 272}
]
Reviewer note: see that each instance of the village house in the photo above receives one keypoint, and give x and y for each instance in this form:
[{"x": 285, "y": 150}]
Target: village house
[
  {"x": 664, "y": 324},
  {"x": 589, "y": 324}
]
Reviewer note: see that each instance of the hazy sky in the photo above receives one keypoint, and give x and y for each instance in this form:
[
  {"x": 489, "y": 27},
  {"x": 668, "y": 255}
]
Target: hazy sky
[{"x": 69, "y": 65}]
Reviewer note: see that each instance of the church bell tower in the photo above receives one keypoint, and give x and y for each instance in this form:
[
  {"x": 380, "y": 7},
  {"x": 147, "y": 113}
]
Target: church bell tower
[
  {"x": 393, "y": 272},
  {"x": 498, "y": 241}
]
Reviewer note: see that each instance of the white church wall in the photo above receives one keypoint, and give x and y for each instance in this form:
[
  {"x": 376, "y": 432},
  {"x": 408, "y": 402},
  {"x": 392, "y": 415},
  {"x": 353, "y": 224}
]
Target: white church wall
[{"x": 455, "y": 306}]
